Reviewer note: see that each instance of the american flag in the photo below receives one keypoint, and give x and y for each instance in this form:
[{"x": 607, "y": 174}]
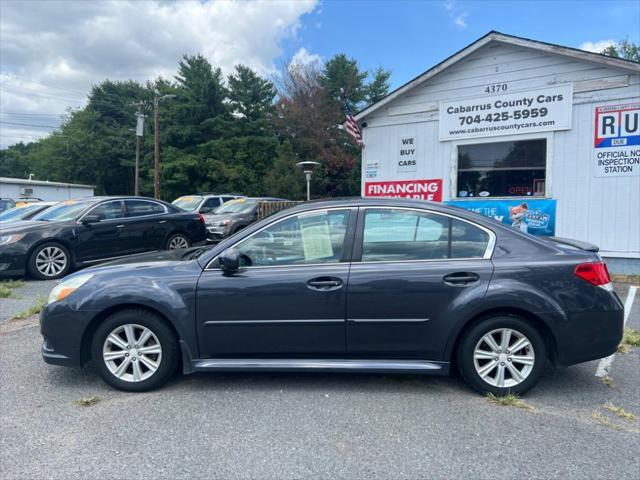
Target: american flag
[{"x": 351, "y": 125}]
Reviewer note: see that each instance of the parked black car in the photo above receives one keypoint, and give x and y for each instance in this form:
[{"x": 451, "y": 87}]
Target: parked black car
[
  {"x": 77, "y": 233},
  {"x": 235, "y": 215},
  {"x": 354, "y": 285}
]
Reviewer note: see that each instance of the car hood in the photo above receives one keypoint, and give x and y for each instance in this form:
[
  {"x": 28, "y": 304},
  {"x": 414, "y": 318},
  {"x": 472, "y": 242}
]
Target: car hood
[
  {"x": 214, "y": 217},
  {"x": 166, "y": 256},
  {"x": 23, "y": 226}
]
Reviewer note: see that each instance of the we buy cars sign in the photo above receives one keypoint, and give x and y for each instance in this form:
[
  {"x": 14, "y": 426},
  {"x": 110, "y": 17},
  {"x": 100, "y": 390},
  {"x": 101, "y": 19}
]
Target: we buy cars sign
[{"x": 423, "y": 189}]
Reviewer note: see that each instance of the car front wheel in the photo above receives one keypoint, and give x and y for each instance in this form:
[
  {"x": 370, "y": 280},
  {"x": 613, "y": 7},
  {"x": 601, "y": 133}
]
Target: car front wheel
[
  {"x": 502, "y": 355},
  {"x": 49, "y": 261},
  {"x": 135, "y": 350}
]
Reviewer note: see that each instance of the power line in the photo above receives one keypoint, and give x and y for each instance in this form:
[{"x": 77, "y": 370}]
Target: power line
[
  {"x": 25, "y": 114},
  {"x": 28, "y": 125}
]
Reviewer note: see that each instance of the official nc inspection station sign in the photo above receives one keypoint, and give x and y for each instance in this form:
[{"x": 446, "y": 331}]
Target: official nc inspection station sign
[
  {"x": 535, "y": 216},
  {"x": 539, "y": 110},
  {"x": 616, "y": 147}
]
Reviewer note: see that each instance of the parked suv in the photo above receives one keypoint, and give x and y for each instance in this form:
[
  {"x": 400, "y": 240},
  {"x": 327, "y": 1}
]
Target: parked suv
[
  {"x": 203, "y": 202},
  {"x": 238, "y": 214}
]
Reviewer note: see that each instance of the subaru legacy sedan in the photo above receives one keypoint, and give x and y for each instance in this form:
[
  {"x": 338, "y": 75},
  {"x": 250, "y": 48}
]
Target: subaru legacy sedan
[{"x": 367, "y": 285}]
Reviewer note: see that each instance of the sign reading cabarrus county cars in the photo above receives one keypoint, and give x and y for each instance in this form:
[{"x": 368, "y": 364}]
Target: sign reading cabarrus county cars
[
  {"x": 616, "y": 147},
  {"x": 537, "y": 110}
]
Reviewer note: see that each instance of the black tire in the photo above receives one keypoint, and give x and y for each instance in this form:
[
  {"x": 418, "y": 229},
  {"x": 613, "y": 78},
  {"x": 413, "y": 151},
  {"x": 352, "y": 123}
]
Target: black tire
[
  {"x": 177, "y": 236},
  {"x": 32, "y": 264},
  {"x": 473, "y": 336},
  {"x": 169, "y": 358}
]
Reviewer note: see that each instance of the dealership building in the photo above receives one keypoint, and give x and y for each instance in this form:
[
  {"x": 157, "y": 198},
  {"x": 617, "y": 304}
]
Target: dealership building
[{"x": 543, "y": 137}]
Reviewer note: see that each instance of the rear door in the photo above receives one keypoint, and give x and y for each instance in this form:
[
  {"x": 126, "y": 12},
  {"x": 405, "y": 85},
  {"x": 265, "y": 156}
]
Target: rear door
[
  {"x": 146, "y": 225},
  {"x": 411, "y": 269}
]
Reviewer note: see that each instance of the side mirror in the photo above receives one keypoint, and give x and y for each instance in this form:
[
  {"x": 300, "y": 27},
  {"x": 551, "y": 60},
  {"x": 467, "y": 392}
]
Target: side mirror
[
  {"x": 229, "y": 261},
  {"x": 87, "y": 219}
]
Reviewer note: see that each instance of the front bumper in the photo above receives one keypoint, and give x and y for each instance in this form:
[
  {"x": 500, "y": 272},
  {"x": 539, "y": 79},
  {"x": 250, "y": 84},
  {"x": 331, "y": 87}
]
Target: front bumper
[
  {"x": 13, "y": 260},
  {"x": 62, "y": 329},
  {"x": 216, "y": 234}
]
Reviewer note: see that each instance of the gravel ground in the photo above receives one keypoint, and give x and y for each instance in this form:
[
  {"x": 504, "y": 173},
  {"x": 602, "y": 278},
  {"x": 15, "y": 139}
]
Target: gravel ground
[
  {"x": 24, "y": 297},
  {"x": 310, "y": 426}
]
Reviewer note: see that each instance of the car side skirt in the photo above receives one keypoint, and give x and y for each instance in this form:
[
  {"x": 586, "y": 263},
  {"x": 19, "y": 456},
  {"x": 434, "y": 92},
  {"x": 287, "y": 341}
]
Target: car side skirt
[{"x": 320, "y": 365}]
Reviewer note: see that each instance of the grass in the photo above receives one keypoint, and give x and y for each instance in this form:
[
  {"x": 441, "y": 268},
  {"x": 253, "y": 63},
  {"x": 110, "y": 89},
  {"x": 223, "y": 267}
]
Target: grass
[
  {"x": 604, "y": 421},
  {"x": 620, "y": 412},
  {"x": 87, "y": 402},
  {"x": 509, "y": 400},
  {"x": 631, "y": 337},
  {"x": 608, "y": 381},
  {"x": 32, "y": 310},
  {"x": 7, "y": 287}
]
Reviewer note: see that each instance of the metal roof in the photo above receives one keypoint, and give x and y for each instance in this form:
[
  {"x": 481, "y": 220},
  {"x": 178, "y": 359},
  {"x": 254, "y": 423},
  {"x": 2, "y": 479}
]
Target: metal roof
[
  {"x": 494, "y": 36},
  {"x": 24, "y": 181}
]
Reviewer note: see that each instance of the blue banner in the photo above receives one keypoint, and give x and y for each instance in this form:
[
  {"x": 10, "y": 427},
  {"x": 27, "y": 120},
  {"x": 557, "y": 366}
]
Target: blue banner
[{"x": 535, "y": 216}]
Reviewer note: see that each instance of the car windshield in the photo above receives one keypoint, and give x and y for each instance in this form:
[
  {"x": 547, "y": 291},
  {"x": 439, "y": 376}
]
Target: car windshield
[
  {"x": 65, "y": 211},
  {"x": 240, "y": 205},
  {"x": 188, "y": 203},
  {"x": 18, "y": 213}
]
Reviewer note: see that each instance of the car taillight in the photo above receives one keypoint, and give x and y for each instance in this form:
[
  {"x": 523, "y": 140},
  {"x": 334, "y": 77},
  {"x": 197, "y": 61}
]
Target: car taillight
[
  {"x": 201, "y": 218},
  {"x": 595, "y": 273}
]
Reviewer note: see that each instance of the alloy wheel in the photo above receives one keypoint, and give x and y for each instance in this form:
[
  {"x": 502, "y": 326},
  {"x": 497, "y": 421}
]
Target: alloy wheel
[
  {"x": 504, "y": 357},
  {"x": 132, "y": 353},
  {"x": 51, "y": 261},
  {"x": 178, "y": 242}
]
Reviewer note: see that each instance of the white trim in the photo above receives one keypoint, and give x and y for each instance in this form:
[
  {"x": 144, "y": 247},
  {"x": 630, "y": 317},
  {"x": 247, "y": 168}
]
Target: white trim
[{"x": 501, "y": 38}]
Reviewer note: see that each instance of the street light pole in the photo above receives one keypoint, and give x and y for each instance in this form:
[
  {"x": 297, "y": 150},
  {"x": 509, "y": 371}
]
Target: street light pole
[{"x": 307, "y": 168}]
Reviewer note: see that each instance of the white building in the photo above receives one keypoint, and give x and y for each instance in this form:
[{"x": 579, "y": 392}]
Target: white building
[
  {"x": 539, "y": 135},
  {"x": 44, "y": 190}
]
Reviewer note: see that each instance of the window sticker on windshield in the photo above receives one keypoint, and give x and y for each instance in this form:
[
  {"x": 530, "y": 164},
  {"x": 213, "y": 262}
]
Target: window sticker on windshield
[
  {"x": 69, "y": 202},
  {"x": 316, "y": 239}
]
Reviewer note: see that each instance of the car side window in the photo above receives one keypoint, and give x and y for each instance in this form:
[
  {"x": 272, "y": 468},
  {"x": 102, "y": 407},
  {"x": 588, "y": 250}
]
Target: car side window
[
  {"x": 467, "y": 241},
  {"x": 400, "y": 235},
  {"x": 212, "y": 203},
  {"x": 108, "y": 211},
  {"x": 307, "y": 238},
  {"x": 141, "y": 208}
]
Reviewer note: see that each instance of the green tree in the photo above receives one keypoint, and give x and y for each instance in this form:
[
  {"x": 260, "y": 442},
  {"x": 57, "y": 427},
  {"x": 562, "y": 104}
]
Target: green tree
[
  {"x": 378, "y": 88},
  {"x": 623, "y": 49},
  {"x": 341, "y": 76},
  {"x": 285, "y": 179},
  {"x": 250, "y": 96}
]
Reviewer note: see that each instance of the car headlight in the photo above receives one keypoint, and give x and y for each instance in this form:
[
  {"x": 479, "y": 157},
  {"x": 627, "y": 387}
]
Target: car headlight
[
  {"x": 9, "y": 239},
  {"x": 223, "y": 223},
  {"x": 66, "y": 288}
]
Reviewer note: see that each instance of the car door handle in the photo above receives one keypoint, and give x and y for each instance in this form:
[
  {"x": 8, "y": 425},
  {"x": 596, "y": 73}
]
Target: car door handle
[
  {"x": 325, "y": 284},
  {"x": 119, "y": 226},
  {"x": 459, "y": 279},
  {"x": 162, "y": 221}
]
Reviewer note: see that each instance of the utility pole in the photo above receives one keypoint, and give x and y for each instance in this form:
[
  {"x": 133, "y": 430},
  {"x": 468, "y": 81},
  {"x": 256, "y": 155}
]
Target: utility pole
[{"x": 156, "y": 142}]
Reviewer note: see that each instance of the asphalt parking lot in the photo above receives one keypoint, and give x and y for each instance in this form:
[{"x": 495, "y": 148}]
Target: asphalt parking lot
[{"x": 310, "y": 426}]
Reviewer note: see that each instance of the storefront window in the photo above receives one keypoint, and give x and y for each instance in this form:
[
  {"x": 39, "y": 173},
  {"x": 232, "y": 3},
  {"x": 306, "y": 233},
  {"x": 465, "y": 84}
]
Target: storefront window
[{"x": 502, "y": 169}]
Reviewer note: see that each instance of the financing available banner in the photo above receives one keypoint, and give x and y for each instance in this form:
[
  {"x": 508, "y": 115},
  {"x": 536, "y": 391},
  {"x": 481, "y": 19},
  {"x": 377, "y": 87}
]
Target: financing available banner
[{"x": 535, "y": 216}]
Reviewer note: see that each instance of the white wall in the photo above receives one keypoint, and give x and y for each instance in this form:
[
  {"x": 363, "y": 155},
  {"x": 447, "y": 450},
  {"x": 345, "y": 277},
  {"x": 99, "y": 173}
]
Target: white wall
[
  {"x": 604, "y": 211},
  {"x": 48, "y": 193}
]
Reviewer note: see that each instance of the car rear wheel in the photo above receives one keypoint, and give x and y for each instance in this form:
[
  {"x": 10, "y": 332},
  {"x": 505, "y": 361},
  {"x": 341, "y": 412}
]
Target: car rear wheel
[
  {"x": 49, "y": 261},
  {"x": 176, "y": 241},
  {"x": 135, "y": 351},
  {"x": 502, "y": 355}
]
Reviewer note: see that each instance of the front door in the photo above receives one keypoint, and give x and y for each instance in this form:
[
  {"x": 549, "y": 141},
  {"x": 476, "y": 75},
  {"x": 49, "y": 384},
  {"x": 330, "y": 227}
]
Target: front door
[
  {"x": 103, "y": 239},
  {"x": 289, "y": 297},
  {"x": 411, "y": 270}
]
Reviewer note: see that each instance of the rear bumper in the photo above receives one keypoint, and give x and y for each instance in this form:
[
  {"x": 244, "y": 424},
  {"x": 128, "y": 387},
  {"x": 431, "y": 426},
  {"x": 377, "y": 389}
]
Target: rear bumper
[{"x": 591, "y": 334}]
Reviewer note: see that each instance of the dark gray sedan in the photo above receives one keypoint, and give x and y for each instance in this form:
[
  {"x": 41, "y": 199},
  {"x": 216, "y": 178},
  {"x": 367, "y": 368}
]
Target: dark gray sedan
[{"x": 352, "y": 285}]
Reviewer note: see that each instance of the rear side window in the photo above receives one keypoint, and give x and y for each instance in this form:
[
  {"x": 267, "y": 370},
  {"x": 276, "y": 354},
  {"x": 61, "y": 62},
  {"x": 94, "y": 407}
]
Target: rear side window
[
  {"x": 467, "y": 241},
  {"x": 212, "y": 203},
  {"x": 108, "y": 211},
  {"x": 396, "y": 235},
  {"x": 141, "y": 208},
  {"x": 403, "y": 235}
]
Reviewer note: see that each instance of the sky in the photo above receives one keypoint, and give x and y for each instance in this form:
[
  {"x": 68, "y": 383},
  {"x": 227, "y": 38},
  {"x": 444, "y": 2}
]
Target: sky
[{"x": 51, "y": 52}]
